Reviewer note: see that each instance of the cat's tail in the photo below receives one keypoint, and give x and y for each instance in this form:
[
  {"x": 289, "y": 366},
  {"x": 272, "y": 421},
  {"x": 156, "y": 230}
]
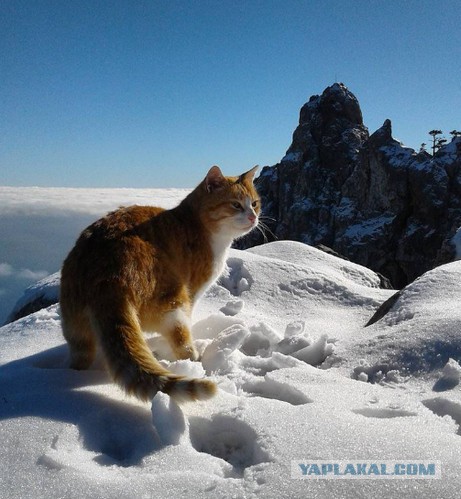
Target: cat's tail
[
  {"x": 133, "y": 366},
  {"x": 183, "y": 389}
]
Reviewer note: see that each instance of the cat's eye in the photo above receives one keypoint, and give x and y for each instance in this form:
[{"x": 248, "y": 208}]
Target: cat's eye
[
  {"x": 237, "y": 206},
  {"x": 254, "y": 203}
]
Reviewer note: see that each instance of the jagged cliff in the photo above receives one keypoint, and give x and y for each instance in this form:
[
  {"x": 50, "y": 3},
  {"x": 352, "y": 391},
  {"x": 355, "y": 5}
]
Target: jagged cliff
[{"x": 369, "y": 198}]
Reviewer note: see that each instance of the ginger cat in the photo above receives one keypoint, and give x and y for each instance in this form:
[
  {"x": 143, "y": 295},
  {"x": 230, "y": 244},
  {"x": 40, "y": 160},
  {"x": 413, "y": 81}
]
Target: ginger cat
[{"x": 143, "y": 268}]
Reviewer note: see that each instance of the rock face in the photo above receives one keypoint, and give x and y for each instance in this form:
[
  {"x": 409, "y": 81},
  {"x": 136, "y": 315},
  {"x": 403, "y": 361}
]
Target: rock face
[
  {"x": 40, "y": 295},
  {"x": 369, "y": 198}
]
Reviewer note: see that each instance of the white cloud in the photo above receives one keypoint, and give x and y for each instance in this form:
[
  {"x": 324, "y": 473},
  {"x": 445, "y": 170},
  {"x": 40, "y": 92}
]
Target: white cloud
[
  {"x": 31, "y": 274},
  {"x": 6, "y": 270}
]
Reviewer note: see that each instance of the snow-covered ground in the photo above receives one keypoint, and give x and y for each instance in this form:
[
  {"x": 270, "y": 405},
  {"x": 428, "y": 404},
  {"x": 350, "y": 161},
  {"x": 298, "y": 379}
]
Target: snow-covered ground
[{"x": 301, "y": 380}]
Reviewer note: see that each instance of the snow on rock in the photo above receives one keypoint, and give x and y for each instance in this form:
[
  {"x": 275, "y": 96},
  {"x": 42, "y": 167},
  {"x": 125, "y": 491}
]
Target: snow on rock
[
  {"x": 456, "y": 240},
  {"x": 421, "y": 331},
  {"x": 37, "y": 296}
]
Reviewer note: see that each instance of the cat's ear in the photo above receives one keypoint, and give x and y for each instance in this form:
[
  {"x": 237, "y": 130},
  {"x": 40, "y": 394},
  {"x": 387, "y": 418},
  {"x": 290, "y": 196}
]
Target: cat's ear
[
  {"x": 214, "y": 179},
  {"x": 249, "y": 175}
]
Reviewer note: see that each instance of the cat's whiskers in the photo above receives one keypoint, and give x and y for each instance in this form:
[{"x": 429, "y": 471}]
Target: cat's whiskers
[
  {"x": 265, "y": 217},
  {"x": 264, "y": 229}
]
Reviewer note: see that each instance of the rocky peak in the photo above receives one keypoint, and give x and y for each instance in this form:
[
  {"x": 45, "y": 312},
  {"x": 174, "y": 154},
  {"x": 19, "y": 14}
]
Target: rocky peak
[
  {"x": 336, "y": 104},
  {"x": 383, "y": 135},
  {"x": 324, "y": 119},
  {"x": 369, "y": 198}
]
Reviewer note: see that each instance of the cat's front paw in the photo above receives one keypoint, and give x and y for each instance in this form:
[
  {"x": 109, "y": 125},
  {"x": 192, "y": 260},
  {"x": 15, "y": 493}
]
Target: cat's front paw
[{"x": 187, "y": 352}]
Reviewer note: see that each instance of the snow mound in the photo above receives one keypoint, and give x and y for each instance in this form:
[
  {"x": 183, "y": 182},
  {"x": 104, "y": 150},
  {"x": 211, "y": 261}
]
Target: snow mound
[
  {"x": 169, "y": 421},
  {"x": 451, "y": 375},
  {"x": 421, "y": 331},
  {"x": 300, "y": 378}
]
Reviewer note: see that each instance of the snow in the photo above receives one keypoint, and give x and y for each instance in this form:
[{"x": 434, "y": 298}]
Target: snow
[
  {"x": 451, "y": 374},
  {"x": 292, "y": 156},
  {"x": 345, "y": 208},
  {"x": 449, "y": 151},
  {"x": 300, "y": 380},
  {"x": 400, "y": 156},
  {"x": 362, "y": 230}
]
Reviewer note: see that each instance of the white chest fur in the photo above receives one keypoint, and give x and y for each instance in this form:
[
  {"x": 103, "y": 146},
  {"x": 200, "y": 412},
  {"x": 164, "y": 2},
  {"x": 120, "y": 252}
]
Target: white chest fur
[
  {"x": 220, "y": 252},
  {"x": 220, "y": 248}
]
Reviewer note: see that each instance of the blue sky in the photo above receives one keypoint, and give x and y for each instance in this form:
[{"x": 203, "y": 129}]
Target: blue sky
[{"x": 152, "y": 93}]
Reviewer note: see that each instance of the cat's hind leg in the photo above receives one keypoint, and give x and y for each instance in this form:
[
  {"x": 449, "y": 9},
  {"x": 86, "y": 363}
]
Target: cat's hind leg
[
  {"x": 80, "y": 337},
  {"x": 175, "y": 328}
]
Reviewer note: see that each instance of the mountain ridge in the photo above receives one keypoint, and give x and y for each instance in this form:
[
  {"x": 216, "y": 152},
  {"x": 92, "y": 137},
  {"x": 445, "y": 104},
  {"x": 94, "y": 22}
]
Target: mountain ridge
[{"x": 368, "y": 197}]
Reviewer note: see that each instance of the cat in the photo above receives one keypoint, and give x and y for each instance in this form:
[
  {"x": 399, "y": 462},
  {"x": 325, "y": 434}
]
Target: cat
[{"x": 142, "y": 268}]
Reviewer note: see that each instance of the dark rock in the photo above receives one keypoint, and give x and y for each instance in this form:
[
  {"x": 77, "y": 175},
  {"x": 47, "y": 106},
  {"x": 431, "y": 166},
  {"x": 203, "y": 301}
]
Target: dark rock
[
  {"x": 40, "y": 295},
  {"x": 328, "y": 250},
  {"x": 368, "y": 198},
  {"x": 384, "y": 308}
]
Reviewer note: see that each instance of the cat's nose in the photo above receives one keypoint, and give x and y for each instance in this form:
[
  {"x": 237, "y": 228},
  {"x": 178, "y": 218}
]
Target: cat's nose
[{"x": 252, "y": 217}]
